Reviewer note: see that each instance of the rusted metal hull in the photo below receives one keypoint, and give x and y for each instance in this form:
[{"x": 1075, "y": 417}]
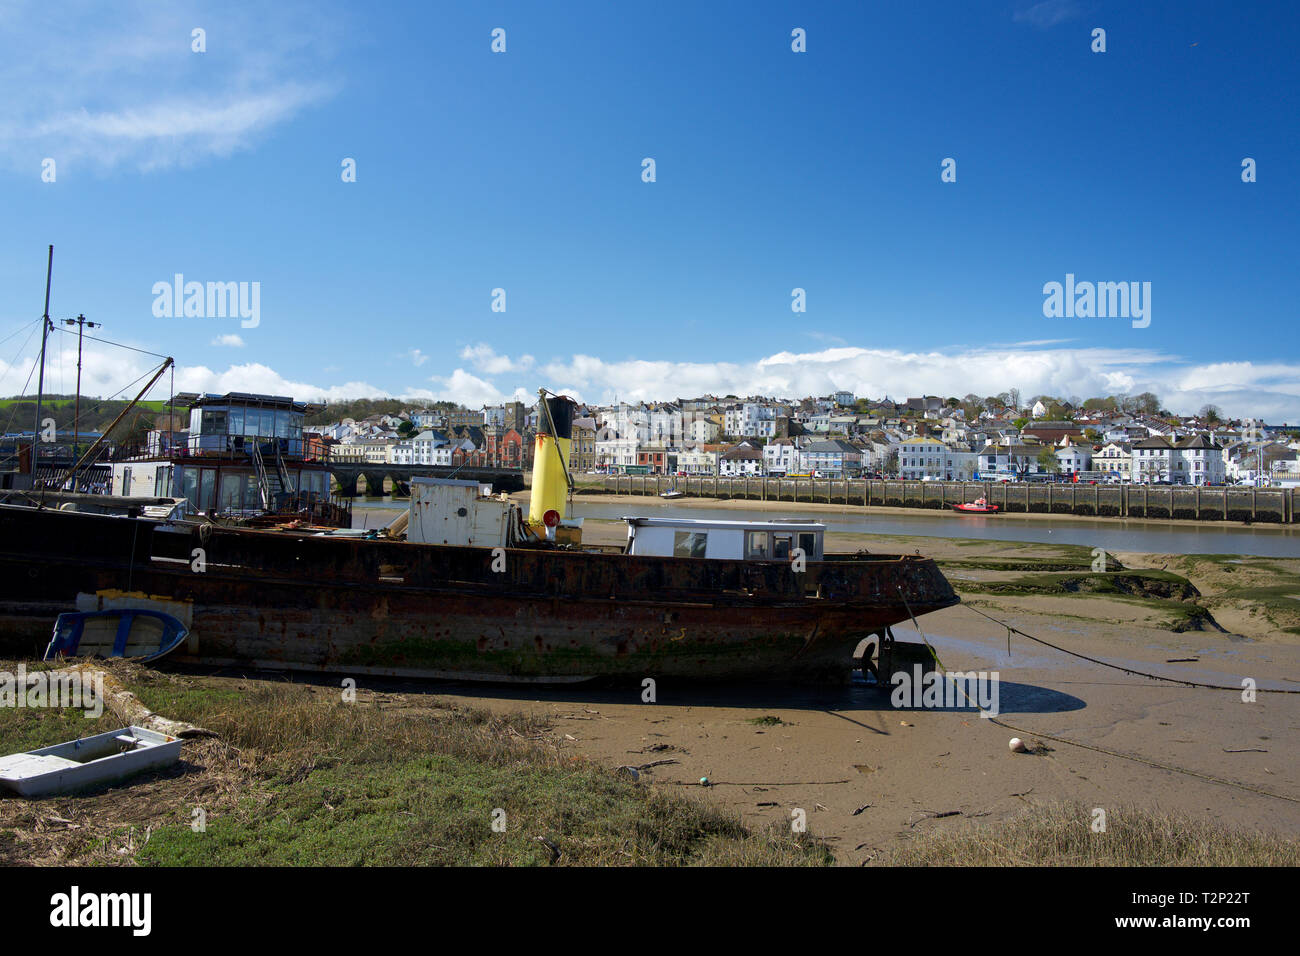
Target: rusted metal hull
[{"x": 277, "y": 599}]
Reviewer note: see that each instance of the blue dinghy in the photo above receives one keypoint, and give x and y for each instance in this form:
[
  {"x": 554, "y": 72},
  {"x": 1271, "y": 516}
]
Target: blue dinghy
[{"x": 124, "y": 632}]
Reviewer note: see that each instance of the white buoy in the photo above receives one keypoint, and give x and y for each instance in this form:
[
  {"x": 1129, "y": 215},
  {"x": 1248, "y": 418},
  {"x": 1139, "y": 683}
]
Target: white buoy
[{"x": 1017, "y": 745}]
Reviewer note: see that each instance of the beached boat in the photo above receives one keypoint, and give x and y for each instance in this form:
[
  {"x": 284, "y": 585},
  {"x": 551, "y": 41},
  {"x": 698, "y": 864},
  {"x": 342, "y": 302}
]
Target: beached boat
[
  {"x": 672, "y": 493},
  {"x": 476, "y": 590},
  {"x": 137, "y": 633},
  {"x": 88, "y": 762},
  {"x": 980, "y": 506}
]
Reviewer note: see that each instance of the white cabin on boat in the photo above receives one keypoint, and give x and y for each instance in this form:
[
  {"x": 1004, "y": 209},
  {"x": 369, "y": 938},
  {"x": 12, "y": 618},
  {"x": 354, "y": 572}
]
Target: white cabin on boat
[
  {"x": 730, "y": 540},
  {"x": 457, "y": 512}
]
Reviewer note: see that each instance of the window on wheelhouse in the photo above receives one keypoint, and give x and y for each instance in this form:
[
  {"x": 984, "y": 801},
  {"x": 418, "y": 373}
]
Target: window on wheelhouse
[
  {"x": 232, "y": 485},
  {"x": 190, "y": 486},
  {"x": 808, "y": 543},
  {"x": 162, "y": 482},
  {"x": 689, "y": 544},
  {"x": 208, "y": 490},
  {"x": 756, "y": 545},
  {"x": 781, "y": 545}
]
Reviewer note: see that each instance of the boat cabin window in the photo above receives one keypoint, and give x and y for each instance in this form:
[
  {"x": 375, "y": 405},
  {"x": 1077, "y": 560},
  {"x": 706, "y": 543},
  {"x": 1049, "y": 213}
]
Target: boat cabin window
[
  {"x": 214, "y": 421},
  {"x": 756, "y": 545},
  {"x": 162, "y": 482},
  {"x": 190, "y": 485},
  {"x": 781, "y": 545},
  {"x": 232, "y": 485},
  {"x": 689, "y": 544},
  {"x": 208, "y": 490},
  {"x": 808, "y": 542}
]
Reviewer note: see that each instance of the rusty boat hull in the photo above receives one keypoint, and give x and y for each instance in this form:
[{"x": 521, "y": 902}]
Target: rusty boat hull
[{"x": 276, "y": 599}]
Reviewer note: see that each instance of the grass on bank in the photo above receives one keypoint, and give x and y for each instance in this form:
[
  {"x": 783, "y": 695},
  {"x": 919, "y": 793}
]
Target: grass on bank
[
  {"x": 1061, "y": 834},
  {"x": 298, "y": 777}
]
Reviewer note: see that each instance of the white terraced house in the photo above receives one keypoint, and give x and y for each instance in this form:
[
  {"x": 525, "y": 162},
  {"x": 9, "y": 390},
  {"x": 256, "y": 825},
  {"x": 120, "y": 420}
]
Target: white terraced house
[
  {"x": 1074, "y": 459},
  {"x": 424, "y": 418},
  {"x": 754, "y": 420},
  {"x": 616, "y": 453},
  {"x": 378, "y": 451},
  {"x": 920, "y": 458},
  {"x": 1194, "y": 460},
  {"x": 665, "y": 423},
  {"x": 1015, "y": 460},
  {"x": 835, "y": 458},
  {"x": 1203, "y": 458},
  {"x": 927, "y": 457},
  {"x": 741, "y": 461},
  {"x": 701, "y": 429},
  {"x": 630, "y": 421},
  {"x": 1114, "y": 458},
  {"x": 426, "y": 448},
  {"x": 697, "y": 461},
  {"x": 780, "y": 456}
]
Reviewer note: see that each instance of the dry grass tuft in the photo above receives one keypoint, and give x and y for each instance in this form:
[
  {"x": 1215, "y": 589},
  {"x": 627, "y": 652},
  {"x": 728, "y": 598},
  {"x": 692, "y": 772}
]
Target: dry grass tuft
[{"x": 1060, "y": 834}]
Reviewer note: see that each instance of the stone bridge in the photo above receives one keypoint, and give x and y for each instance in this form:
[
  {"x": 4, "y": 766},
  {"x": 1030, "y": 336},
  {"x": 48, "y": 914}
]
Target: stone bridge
[{"x": 501, "y": 479}]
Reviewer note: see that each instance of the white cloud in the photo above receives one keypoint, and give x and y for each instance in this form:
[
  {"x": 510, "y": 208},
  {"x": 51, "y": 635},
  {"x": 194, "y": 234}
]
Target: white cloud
[
  {"x": 233, "y": 341},
  {"x": 485, "y": 359},
  {"x": 125, "y": 88},
  {"x": 825, "y": 337},
  {"x": 1048, "y": 13},
  {"x": 112, "y": 372},
  {"x": 417, "y": 357},
  {"x": 467, "y": 389},
  {"x": 256, "y": 377},
  {"x": 1242, "y": 388},
  {"x": 1270, "y": 390}
]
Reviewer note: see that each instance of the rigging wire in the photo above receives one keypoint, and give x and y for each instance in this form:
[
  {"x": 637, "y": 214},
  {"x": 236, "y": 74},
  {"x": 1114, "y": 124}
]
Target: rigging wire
[
  {"x": 14, "y": 414},
  {"x": 17, "y": 330},
  {"x": 118, "y": 344}
]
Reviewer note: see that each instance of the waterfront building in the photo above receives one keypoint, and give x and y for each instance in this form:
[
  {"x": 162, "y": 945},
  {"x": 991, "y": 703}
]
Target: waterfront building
[
  {"x": 742, "y": 460},
  {"x": 1015, "y": 460}
]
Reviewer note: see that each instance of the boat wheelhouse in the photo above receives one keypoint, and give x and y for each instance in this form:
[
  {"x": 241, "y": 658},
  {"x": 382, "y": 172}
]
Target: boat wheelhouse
[
  {"x": 731, "y": 540},
  {"x": 243, "y": 455}
]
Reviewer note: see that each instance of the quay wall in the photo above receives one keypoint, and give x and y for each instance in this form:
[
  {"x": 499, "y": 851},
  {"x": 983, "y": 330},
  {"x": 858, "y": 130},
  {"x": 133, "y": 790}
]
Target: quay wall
[{"x": 1256, "y": 505}]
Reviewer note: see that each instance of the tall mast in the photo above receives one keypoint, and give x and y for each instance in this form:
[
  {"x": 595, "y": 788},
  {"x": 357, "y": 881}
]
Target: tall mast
[
  {"x": 82, "y": 323},
  {"x": 40, "y": 386}
]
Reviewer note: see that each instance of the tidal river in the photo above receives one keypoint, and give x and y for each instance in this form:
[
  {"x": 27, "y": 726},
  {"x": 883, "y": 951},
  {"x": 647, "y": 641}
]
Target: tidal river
[{"x": 1113, "y": 533}]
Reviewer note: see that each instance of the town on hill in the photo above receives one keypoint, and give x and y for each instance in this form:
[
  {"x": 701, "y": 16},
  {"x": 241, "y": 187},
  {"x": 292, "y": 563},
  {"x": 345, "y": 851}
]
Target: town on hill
[{"x": 1118, "y": 439}]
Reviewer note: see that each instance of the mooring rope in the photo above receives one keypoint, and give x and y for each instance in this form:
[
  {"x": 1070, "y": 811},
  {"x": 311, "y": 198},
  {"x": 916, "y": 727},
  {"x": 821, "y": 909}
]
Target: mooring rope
[
  {"x": 1223, "y": 781},
  {"x": 1127, "y": 670}
]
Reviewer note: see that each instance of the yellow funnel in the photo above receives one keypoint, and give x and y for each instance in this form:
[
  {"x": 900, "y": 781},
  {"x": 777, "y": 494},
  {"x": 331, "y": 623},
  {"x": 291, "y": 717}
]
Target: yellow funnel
[{"x": 551, "y": 460}]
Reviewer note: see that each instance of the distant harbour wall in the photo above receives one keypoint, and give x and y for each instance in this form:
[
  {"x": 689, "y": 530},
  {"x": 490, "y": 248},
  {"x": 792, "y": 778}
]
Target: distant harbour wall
[{"x": 1262, "y": 505}]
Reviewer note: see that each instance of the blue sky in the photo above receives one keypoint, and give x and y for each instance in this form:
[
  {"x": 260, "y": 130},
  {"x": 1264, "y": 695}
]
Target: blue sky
[{"x": 775, "y": 170}]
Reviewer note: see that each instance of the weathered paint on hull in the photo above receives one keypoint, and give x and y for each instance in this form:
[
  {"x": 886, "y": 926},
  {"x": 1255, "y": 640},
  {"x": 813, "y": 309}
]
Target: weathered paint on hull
[{"x": 303, "y": 602}]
